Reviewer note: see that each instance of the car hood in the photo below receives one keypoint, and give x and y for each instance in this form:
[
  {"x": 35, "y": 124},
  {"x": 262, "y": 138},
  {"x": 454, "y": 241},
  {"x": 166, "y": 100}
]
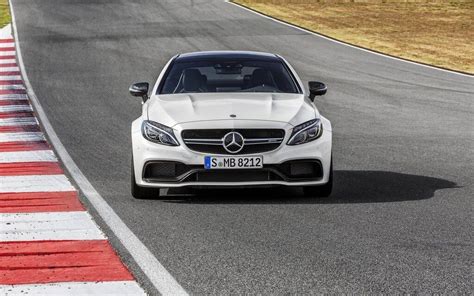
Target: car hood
[{"x": 174, "y": 109}]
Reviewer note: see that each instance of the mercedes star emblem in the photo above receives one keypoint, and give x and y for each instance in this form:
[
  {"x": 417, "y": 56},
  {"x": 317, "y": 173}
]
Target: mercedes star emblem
[{"x": 233, "y": 142}]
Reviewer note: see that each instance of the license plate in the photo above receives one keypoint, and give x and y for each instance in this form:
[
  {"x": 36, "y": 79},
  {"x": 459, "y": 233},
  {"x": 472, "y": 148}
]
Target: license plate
[{"x": 232, "y": 162}]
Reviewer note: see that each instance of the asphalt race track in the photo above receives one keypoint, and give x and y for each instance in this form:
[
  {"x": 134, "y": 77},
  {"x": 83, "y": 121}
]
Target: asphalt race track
[{"x": 400, "y": 218}]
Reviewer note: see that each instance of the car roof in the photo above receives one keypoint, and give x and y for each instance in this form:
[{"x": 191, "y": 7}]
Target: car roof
[{"x": 228, "y": 54}]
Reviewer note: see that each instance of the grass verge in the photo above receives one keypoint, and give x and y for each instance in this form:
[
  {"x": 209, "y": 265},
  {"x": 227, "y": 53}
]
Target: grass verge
[
  {"x": 440, "y": 33},
  {"x": 4, "y": 13}
]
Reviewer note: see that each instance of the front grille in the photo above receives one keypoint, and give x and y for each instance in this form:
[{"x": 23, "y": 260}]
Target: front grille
[
  {"x": 220, "y": 133},
  {"x": 255, "y": 140}
]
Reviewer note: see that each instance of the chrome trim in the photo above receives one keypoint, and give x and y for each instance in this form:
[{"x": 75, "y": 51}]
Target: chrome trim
[
  {"x": 259, "y": 141},
  {"x": 251, "y": 141},
  {"x": 216, "y": 142},
  {"x": 203, "y": 143},
  {"x": 203, "y": 140},
  {"x": 234, "y": 142}
]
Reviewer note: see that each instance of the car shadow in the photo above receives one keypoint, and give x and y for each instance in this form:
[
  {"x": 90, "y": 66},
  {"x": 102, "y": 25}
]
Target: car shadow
[{"x": 349, "y": 187}]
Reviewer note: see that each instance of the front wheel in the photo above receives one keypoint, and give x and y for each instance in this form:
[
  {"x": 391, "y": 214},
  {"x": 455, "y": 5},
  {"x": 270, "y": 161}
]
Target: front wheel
[
  {"x": 321, "y": 190},
  {"x": 142, "y": 192}
]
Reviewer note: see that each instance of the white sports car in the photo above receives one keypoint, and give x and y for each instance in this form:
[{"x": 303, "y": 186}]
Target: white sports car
[{"x": 230, "y": 119}]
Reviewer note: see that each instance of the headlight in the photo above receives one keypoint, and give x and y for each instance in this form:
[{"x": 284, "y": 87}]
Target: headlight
[
  {"x": 158, "y": 133},
  {"x": 306, "y": 132}
]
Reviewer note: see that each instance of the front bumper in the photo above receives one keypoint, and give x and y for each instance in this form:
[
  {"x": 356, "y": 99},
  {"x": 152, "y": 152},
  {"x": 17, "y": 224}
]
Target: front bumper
[{"x": 189, "y": 165}]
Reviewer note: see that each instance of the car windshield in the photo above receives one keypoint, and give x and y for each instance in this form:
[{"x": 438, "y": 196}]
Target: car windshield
[{"x": 227, "y": 75}]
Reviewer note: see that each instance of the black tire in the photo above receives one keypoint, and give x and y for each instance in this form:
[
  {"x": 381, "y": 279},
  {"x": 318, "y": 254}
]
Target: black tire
[
  {"x": 322, "y": 190},
  {"x": 142, "y": 192}
]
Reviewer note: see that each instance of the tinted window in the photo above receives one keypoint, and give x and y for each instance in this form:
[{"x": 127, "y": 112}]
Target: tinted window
[{"x": 228, "y": 76}]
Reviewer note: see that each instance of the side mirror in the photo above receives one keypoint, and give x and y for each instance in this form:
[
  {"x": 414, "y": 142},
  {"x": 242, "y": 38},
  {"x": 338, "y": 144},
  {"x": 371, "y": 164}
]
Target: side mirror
[
  {"x": 316, "y": 89},
  {"x": 140, "y": 89}
]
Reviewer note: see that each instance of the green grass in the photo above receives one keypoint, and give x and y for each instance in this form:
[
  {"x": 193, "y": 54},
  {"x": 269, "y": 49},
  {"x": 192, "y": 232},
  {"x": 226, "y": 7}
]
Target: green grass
[{"x": 5, "y": 17}]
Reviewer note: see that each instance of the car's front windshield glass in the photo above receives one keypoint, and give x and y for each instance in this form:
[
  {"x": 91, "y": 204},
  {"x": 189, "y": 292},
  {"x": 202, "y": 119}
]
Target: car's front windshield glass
[{"x": 226, "y": 75}]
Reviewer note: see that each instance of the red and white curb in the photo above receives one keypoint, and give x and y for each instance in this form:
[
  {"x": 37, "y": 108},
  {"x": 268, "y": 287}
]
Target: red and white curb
[{"x": 49, "y": 244}]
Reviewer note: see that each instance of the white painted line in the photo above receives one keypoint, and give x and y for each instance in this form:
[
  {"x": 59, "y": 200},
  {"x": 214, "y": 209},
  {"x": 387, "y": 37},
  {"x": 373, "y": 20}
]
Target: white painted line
[
  {"x": 7, "y": 53},
  {"x": 27, "y": 156},
  {"x": 15, "y": 108},
  {"x": 75, "y": 289},
  {"x": 7, "y": 69},
  {"x": 48, "y": 226},
  {"x": 10, "y": 77},
  {"x": 35, "y": 183},
  {"x": 9, "y": 44},
  {"x": 13, "y": 97},
  {"x": 6, "y": 32},
  {"x": 163, "y": 281},
  {"x": 15, "y": 121},
  {"x": 346, "y": 44},
  {"x": 21, "y": 137},
  {"x": 9, "y": 61},
  {"x": 12, "y": 86}
]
